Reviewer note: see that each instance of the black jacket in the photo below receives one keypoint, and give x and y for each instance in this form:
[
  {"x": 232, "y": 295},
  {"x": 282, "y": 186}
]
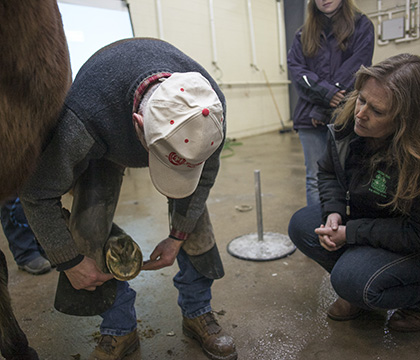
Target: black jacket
[{"x": 346, "y": 188}]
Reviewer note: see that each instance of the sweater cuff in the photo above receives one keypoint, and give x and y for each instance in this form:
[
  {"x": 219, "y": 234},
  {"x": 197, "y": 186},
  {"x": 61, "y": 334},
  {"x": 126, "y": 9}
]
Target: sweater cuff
[
  {"x": 71, "y": 263},
  {"x": 178, "y": 235},
  {"x": 181, "y": 223}
]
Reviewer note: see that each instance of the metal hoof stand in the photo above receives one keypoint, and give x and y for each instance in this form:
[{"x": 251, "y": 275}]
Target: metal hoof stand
[{"x": 260, "y": 246}]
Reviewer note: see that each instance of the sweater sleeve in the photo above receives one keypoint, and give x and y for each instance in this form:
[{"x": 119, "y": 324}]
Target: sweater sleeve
[
  {"x": 63, "y": 160},
  {"x": 188, "y": 210}
]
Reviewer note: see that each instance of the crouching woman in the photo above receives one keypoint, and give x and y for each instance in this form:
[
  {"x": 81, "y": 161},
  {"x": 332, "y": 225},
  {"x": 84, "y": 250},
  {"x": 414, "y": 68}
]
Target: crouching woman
[{"x": 366, "y": 232}]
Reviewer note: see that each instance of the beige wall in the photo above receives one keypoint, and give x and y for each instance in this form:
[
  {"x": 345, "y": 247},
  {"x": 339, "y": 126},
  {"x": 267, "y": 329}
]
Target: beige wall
[
  {"x": 186, "y": 24},
  {"x": 370, "y": 7},
  {"x": 251, "y": 109}
]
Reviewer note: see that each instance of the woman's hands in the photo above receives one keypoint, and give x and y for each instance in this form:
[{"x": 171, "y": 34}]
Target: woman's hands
[
  {"x": 337, "y": 98},
  {"x": 332, "y": 235},
  {"x": 334, "y": 102}
]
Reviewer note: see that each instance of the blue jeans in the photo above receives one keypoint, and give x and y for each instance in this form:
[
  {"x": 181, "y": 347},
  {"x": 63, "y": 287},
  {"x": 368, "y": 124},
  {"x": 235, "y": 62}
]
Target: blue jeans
[
  {"x": 194, "y": 289},
  {"x": 313, "y": 143},
  {"x": 371, "y": 278},
  {"x": 194, "y": 299},
  {"x": 21, "y": 239},
  {"x": 120, "y": 319}
]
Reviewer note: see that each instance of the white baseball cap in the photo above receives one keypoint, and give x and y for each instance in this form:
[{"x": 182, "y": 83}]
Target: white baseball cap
[{"x": 183, "y": 126}]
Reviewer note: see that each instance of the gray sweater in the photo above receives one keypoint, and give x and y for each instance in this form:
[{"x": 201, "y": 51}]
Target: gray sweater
[{"x": 96, "y": 122}]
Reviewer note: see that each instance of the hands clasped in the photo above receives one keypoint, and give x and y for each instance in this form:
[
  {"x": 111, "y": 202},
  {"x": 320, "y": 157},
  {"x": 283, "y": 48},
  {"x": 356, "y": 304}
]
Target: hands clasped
[{"x": 332, "y": 235}]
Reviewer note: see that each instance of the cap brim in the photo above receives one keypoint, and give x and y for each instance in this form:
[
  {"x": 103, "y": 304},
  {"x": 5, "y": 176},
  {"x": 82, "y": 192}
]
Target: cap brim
[{"x": 171, "y": 183}]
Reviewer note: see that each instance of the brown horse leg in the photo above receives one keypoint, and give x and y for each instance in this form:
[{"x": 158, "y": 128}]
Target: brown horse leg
[{"x": 13, "y": 341}]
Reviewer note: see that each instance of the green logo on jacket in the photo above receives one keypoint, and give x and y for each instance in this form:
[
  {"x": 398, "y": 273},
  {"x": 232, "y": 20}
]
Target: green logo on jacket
[{"x": 378, "y": 184}]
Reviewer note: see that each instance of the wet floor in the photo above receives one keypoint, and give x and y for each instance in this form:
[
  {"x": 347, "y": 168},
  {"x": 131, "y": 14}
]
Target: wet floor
[{"x": 275, "y": 309}]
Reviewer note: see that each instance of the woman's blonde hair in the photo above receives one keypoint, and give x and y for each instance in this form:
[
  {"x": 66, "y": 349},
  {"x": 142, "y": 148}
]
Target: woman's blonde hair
[
  {"x": 343, "y": 26},
  {"x": 400, "y": 76}
]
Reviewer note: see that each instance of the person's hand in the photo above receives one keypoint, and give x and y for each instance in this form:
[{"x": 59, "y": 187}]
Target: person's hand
[
  {"x": 332, "y": 235},
  {"x": 315, "y": 123},
  {"x": 163, "y": 255},
  {"x": 86, "y": 275},
  {"x": 330, "y": 239},
  {"x": 337, "y": 98},
  {"x": 333, "y": 221}
]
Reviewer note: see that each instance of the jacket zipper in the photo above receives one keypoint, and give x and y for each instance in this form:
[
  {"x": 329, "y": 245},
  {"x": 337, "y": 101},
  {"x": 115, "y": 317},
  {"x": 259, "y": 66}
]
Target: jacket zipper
[{"x": 348, "y": 203}]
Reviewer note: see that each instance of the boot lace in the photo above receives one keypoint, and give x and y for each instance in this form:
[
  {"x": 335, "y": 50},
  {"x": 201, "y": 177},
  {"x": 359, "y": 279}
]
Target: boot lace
[
  {"x": 211, "y": 323},
  {"x": 105, "y": 343}
]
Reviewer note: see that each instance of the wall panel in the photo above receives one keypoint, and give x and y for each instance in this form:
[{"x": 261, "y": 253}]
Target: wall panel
[{"x": 186, "y": 24}]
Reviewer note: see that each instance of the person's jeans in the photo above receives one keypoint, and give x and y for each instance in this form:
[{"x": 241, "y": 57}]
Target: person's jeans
[
  {"x": 194, "y": 289},
  {"x": 313, "y": 143},
  {"x": 194, "y": 299},
  {"x": 371, "y": 278},
  {"x": 120, "y": 319},
  {"x": 21, "y": 239}
]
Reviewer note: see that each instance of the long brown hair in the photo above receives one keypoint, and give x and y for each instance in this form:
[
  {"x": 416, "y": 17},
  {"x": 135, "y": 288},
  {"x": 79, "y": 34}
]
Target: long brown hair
[
  {"x": 342, "y": 28},
  {"x": 400, "y": 76}
]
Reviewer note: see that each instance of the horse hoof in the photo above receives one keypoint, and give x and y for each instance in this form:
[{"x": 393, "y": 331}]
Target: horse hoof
[{"x": 123, "y": 257}]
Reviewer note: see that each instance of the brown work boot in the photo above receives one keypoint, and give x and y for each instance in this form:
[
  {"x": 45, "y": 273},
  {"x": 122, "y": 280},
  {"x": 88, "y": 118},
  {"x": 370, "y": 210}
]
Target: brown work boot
[
  {"x": 342, "y": 310},
  {"x": 405, "y": 320},
  {"x": 213, "y": 340},
  {"x": 116, "y": 347}
]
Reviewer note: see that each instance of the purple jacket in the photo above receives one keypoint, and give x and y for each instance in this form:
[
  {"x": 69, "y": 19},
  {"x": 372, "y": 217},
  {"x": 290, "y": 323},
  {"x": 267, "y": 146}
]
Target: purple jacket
[{"x": 317, "y": 79}]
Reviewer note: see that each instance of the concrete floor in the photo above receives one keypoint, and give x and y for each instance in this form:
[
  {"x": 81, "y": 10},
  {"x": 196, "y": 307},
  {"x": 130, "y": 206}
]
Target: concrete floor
[{"x": 275, "y": 310}]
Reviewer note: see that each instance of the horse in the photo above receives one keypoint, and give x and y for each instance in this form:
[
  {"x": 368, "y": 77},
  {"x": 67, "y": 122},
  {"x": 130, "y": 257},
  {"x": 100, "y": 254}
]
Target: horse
[{"x": 35, "y": 75}]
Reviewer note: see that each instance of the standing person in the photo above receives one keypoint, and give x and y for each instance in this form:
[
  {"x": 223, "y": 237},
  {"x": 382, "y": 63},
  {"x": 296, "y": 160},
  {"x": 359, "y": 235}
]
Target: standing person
[
  {"x": 335, "y": 40},
  {"x": 135, "y": 103},
  {"x": 26, "y": 251},
  {"x": 367, "y": 232}
]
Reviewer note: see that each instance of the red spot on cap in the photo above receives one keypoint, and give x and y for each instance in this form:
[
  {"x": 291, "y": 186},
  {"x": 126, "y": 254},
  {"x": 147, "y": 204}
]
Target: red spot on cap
[
  {"x": 182, "y": 89},
  {"x": 186, "y": 141},
  {"x": 171, "y": 122},
  {"x": 205, "y": 112},
  {"x": 212, "y": 143}
]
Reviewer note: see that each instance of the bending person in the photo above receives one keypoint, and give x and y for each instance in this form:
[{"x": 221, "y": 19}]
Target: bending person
[{"x": 136, "y": 103}]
